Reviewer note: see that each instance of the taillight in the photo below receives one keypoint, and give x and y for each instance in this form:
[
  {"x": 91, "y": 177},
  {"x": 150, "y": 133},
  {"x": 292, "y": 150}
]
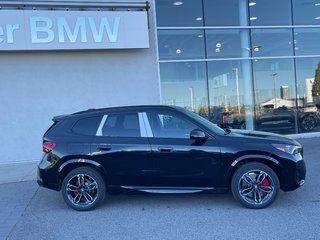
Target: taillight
[{"x": 48, "y": 146}]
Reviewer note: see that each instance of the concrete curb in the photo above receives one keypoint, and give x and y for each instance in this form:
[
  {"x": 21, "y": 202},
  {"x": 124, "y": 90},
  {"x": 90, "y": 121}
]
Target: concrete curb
[
  {"x": 304, "y": 135},
  {"x": 18, "y": 171}
]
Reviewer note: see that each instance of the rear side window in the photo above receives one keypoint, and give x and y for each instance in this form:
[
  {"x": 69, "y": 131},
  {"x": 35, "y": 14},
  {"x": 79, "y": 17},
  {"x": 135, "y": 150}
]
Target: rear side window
[
  {"x": 120, "y": 125},
  {"x": 87, "y": 126}
]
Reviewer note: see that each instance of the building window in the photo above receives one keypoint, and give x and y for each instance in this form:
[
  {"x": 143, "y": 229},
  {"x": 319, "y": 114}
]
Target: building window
[
  {"x": 243, "y": 63},
  {"x": 182, "y": 44},
  {"x": 306, "y": 41},
  {"x": 270, "y": 12},
  {"x": 272, "y": 42},
  {"x": 275, "y": 95},
  {"x": 228, "y": 86},
  {"x": 308, "y": 93},
  {"x": 226, "y": 43},
  {"x": 179, "y": 13},
  {"x": 218, "y": 12},
  {"x": 184, "y": 84},
  {"x": 306, "y": 12}
]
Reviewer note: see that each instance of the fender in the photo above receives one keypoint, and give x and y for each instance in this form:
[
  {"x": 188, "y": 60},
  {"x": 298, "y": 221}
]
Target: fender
[
  {"x": 80, "y": 160},
  {"x": 250, "y": 156}
]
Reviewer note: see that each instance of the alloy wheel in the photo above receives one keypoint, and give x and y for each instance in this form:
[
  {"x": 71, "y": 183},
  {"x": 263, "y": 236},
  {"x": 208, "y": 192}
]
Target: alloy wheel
[
  {"x": 82, "y": 190},
  {"x": 256, "y": 187}
]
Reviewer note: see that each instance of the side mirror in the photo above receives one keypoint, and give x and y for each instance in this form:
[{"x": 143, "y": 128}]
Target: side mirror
[{"x": 198, "y": 134}]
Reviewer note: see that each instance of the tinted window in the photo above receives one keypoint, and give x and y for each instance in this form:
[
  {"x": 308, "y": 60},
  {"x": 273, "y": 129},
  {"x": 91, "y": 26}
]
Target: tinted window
[
  {"x": 121, "y": 125},
  {"x": 263, "y": 42},
  {"x": 222, "y": 12},
  {"x": 179, "y": 13},
  {"x": 270, "y": 12},
  {"x": 170, "y": 126},
  {"x": 306, "y": 12},
  {"x": 226, "y": 43},
  {"x": 87, "y": 126},
  {"x": 181, "y": 44}
]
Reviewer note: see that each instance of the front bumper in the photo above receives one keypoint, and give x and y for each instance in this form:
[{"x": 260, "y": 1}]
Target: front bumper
[{"x": 293, "y": 176}]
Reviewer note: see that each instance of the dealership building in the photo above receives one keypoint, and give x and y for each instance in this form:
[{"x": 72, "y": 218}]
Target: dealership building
[{"x": 251, "y": 64}]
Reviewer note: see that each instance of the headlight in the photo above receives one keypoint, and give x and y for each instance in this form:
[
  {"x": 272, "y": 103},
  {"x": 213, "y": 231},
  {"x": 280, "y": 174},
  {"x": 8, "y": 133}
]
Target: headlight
[{"x": 291, "y": 149}]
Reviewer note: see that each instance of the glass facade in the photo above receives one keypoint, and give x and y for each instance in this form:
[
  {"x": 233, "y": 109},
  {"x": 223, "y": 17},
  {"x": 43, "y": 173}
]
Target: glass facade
[{"x": 249, "y": 64}]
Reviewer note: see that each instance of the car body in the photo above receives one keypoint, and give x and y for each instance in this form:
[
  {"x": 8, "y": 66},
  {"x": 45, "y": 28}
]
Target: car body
[
  {"x": 274, "y": 120},
  {"x": 284, "y": 118},
  {"x": 164, "y": 149}
]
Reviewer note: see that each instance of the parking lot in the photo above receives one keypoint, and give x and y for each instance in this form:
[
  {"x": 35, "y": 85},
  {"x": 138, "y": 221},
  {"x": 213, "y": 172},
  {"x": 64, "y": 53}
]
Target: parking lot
[{"x": 30, "y": 212}]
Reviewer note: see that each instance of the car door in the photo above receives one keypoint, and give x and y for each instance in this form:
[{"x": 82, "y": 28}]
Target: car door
[
  {"x": 178, "y": 160},
  {"x": 121, "y": 146}
]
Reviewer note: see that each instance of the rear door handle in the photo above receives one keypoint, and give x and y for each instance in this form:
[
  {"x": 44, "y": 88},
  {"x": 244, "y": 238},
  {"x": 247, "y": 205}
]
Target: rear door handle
[{"x": 165, "y": 149}]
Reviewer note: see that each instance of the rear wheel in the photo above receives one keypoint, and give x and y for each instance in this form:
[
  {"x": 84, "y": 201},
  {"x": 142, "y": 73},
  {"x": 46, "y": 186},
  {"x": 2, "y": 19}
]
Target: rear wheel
[
  {"x": 255, "y": 185},
  {"x": 83, "y": 189},
  {"x": 308, "y": 123}
]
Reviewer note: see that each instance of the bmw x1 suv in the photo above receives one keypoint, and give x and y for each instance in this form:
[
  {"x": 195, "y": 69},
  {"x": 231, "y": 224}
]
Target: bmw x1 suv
[{"x": 164, "y": 149}]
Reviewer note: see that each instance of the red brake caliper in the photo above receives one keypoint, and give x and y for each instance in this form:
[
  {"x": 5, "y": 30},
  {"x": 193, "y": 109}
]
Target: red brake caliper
[{"x": 264, "y": 183}]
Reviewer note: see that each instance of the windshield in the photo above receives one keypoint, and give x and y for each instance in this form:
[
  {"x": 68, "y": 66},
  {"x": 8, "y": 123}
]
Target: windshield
[{"x": 213, "y": 127}]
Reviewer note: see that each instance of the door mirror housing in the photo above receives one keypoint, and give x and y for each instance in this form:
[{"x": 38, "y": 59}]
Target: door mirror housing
[{"x": 198, "y": 134}]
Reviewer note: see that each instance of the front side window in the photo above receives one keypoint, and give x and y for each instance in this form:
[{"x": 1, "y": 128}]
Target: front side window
[
  {"x": 119, "y": 125},
  {"x": 167, "y": 125}
]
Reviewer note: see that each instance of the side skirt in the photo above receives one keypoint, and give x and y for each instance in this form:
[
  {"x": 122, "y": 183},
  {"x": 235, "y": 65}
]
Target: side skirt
[{"x": 113, "y": 190}]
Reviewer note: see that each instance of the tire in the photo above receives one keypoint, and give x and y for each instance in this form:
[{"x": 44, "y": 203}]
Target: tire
[
  {"x": 255, "y": 185},
  {"x": 308, "y": 123},
  {"x": 83, "y": 189}
]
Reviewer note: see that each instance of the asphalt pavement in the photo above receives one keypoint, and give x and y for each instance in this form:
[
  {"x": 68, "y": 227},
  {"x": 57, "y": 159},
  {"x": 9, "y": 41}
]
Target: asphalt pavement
[{"x": 30, "y": 212}]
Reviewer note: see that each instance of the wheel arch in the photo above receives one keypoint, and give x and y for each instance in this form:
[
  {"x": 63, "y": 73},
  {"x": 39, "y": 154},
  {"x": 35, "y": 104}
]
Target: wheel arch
[
  {"x": 72, "y": 164},
  {"x": 267, "y": 160}
]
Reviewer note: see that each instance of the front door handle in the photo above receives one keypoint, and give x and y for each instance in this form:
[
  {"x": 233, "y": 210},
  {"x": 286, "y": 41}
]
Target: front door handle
[
  {"x": 165, "y": 149},
  {"x": 104, "y": 148}
]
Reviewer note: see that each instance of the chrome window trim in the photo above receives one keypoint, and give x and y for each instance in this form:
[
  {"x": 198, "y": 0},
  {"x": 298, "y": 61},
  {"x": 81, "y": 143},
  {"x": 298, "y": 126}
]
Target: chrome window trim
[
  {"x": 147, "y": 125},
  {"x": 103, "y": 120},
  {"x": 143, "y": 131}
]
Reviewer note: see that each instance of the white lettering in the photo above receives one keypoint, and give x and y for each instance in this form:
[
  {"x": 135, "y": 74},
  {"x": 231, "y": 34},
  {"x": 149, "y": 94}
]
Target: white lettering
[
  {"x": 63, "y": 27},
  {"x": 37, "y": 31},
  {"x": 104, "y": 25},
  {"x": 10, "y": 31}
]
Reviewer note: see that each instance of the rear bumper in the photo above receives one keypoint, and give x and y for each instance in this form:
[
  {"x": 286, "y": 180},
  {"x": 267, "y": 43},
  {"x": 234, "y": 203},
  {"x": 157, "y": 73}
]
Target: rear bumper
[{"x": 46, "y": 177}]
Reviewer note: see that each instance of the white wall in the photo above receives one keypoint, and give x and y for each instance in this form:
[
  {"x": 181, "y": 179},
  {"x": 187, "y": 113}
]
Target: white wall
[{"x": 35, "y": 86}]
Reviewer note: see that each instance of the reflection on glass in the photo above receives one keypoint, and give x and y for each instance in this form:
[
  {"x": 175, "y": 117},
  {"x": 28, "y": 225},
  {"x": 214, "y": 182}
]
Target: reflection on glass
[
  {"x": 182, "y": 13},
  {"x": 308, "y": 93},
  {"x": 184, "y": 84},
  {"x": 270, "y": 12},
  {"x": 275, "y": 95},
  {"x": 306, "y": 12},
  {"x": 271, "y": 42},
  {"x": 226, "y": 43},
  {"x": 227, "y": 84},
  {"x": 222, "y": 12},
  {"x": 181, "y": 44},
  {"x": 306, "y": 41}
]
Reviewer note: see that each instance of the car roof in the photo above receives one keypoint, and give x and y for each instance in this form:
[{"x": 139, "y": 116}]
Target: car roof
[{"x": 127, "y": 108}]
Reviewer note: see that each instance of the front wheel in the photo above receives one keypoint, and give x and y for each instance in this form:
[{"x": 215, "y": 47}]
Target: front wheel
[
  {"x": 83, "y": 189},
  {"x": 255, "y": 185}
]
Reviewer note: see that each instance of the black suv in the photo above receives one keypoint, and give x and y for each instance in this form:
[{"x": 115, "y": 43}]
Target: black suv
[{"x": 164, "y": 149}]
